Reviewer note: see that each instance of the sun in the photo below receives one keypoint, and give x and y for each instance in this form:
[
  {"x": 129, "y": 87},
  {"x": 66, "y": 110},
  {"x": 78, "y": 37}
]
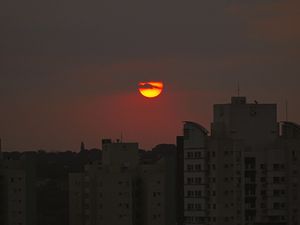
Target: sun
[{"x": 151, "y": 89}]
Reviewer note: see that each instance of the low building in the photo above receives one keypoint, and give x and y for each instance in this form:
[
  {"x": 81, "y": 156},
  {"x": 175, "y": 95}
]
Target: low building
[{"x": 120, "y": 190}]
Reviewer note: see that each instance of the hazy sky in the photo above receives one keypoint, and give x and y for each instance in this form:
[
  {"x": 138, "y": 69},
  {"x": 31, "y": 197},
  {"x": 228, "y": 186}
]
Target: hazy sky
[{"x": 69, "y": 69}]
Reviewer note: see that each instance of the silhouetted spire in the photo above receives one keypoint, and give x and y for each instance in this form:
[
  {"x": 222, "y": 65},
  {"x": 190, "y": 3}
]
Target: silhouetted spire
[{"x": 82, "y": 147}]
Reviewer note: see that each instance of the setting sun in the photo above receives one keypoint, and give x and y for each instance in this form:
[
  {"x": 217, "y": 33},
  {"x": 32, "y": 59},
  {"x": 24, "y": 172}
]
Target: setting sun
[{"x": 150, "y": 89}]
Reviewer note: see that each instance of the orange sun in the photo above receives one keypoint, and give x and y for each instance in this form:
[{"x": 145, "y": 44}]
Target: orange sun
[{"x": 151, "y": 89}]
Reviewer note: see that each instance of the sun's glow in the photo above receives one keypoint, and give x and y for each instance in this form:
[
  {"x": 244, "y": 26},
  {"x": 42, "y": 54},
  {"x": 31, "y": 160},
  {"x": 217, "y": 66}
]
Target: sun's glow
[{"x": 151, "y": 89}]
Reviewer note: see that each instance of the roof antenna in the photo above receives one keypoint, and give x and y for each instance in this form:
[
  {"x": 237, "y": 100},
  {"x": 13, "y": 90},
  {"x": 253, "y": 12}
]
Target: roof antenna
[
  {"x": 238, "y": 88},
  {"x": 121, "y": 137}
]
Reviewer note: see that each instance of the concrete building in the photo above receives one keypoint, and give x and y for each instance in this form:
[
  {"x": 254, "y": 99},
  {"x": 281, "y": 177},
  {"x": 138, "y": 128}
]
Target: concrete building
[
  {"x": 120, "y": 190},
  {"x": 18, "y": 197},
  {"x": 195, "y": 173},
  {"x": 246, "y": 172}
]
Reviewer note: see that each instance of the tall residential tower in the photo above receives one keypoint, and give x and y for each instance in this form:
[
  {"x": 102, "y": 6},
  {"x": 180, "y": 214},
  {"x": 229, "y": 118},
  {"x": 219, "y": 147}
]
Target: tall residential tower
[{"x": 246, "y": 172}]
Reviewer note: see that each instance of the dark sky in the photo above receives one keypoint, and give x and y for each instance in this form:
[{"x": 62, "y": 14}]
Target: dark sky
[{"x": 69, "y": 69}]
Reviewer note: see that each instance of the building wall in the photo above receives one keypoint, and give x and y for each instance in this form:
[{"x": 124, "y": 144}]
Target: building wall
[
  {"x": 252, "y": 167},
  {"x": 195, "y": 173},
  {"x": 121, "y": 192},
  {"x": 153, "y": 194},
  {"x": 18, "y": 191},
  {"x": 76, "y": 198},
  {"x": 225, "y": 182},
  {"x": 180, "y": 180},
  {"x": 256, "y": 124}
]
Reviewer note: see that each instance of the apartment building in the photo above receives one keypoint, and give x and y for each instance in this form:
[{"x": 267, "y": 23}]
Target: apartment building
[
  {"x": 120, "y": 190},
  {"x": 246, "y": 171},
  {"x": 17, "y": 189}
]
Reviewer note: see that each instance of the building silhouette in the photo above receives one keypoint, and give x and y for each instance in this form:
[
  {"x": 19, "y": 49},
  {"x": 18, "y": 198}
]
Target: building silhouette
[
  {"x": 17, "y": 191},
  {"x": 121, "y": 190},
  {"x": 246, "y": 172}
]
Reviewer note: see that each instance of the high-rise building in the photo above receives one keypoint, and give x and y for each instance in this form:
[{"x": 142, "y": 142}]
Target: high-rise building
[
  {"x": 120, "y": 190},
  {"x": 17, "y": 189},
  {"x": 246, "y": 172},
  {"x": 195, "y": 173}
]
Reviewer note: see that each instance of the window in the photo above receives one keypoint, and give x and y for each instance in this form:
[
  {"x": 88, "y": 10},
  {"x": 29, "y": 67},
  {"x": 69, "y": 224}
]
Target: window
[
  {"x": 190, "y": 180},
  {"x": 276, "y": 193},
  {"x": 198, "y": 180},
  {"x": 189, "y": 155},
  {"x": 156, "y": 194},
  {"x": 276, "y": 180},
  {"x": 190, "y": 167},
  {"x": 198, "y": 219},
  {"x": 198, "y": 193},
  {"x": 198, "y": 206},
  {"x": 197, "y": 155},
  {"x": 198, "y": 167},
  {"x": 190, "y": 206},
  {"x": 276, "y": 166},
  {"x": 190, "y": 194},
  {"x": 276, "y": 205}
]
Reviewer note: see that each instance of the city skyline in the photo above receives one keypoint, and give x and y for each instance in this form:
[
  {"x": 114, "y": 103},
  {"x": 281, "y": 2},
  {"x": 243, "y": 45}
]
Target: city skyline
[
  {"x": 244, "y": 172},
  {"x": 283, "y": 114},
  {"x": 149, "y": 112}
]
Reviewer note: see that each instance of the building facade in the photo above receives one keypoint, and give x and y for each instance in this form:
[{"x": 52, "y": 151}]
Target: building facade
[
  {"x": 17, "y": 189},
  {"x": 120, "y": 190},
  {"x": 246, "y": 171}
]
